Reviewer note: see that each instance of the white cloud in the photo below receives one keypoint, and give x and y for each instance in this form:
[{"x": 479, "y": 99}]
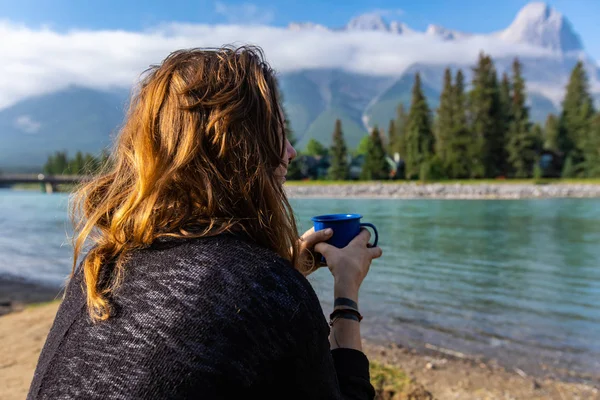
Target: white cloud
[
  {"x": 36, "y": 61},
  {"x": 26, "y": 124},
  {"x": 246, "y": 13}
]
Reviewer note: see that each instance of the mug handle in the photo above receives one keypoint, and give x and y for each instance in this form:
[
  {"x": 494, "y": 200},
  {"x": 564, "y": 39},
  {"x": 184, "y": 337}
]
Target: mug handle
[{"x": 374, "y": 229}]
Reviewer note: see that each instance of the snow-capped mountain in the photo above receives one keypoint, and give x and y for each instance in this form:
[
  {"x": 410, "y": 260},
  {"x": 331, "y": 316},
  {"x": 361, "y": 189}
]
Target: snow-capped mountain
[
  {"x": 400, "y": 28},
  {"x": 540, "y": 25},
  {"x": 368, "y": 22},
  {"x": 444, "y": 33},
  {"x": 537, "y": 25},
  {"x": 372, "y": 22},
  {"x": 375, "y": 22}
]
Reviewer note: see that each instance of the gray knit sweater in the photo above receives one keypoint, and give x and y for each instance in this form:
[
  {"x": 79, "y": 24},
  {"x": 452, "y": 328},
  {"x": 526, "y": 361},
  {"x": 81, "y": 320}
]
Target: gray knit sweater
[{"x": 211, "y": 318}]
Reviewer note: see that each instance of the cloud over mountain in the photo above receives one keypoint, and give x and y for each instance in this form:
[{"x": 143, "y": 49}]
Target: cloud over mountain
[{"x": 37, "y": 61}]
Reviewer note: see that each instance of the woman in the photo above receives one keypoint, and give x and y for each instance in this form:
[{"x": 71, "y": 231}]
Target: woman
[{"x": 194, "y": 285}]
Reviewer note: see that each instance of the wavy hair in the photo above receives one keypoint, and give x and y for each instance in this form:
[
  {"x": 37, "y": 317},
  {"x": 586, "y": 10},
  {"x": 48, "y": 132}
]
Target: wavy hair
[{"x": 195, "y": 157}]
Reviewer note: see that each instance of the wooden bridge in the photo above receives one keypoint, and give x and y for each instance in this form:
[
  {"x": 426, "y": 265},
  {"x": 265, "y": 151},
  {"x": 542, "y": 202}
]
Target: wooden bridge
[{"x": 48, "y": 182}]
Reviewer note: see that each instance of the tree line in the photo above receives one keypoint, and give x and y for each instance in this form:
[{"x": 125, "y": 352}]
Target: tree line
[
  {"x": 81, "y": 164},
  {"x": 483, "y": 132}
]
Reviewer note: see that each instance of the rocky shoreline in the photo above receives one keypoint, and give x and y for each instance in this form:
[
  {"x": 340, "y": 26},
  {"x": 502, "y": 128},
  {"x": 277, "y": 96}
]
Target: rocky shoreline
[{"x": 415, "y": 190}]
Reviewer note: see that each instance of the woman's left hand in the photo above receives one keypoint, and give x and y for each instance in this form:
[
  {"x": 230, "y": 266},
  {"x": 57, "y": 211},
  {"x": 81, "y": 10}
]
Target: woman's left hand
[{"x": 308, "y": 261}]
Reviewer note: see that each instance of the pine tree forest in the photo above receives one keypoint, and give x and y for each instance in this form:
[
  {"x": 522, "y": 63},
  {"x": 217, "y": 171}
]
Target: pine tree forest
[{"x": 481, "y": 129}]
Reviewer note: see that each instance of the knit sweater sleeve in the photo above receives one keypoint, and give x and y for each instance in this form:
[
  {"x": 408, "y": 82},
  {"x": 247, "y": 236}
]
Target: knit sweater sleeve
[
  {"x": 340, "y": 373},
  {"x": 352, "y": 370}
]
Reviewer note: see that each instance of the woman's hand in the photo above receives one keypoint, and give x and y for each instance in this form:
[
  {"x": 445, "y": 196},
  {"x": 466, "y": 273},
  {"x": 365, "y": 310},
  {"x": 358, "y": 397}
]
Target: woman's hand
[
  {"x": 308, "y": 261},
  {"x": 350, "y": 265}
]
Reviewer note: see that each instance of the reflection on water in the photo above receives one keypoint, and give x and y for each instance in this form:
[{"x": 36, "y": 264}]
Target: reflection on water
[{"x": 514, "y": 280}]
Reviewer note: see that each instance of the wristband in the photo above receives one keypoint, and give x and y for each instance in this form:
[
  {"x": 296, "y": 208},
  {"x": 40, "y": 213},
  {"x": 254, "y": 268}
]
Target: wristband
[
  {"x": 344, "y": 301},
  {"x": 344, "y": 316},
  {"x": 344, "y": 312}
]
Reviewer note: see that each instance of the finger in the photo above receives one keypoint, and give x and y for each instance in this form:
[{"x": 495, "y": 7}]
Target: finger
[
  {"x": 363, "y": 237},
  {"x": 318, "y": 236},
  {"x": 375, "y": 252},
  {"x": 325, "y": 248},
  {"x": 307, "y": 233}
]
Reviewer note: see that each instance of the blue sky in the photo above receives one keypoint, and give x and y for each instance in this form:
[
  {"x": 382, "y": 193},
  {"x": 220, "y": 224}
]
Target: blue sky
[{"x": 478, "y": 16}]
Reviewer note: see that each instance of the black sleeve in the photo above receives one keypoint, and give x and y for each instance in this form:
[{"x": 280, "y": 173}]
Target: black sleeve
[
  {"x": 352, "y": 369},
  {"x": 336, "y": 374}
]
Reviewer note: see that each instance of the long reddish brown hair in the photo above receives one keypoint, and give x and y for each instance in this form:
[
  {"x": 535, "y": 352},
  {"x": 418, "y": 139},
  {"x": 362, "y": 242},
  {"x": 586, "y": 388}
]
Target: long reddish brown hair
[{"x": 196, "y": 157}]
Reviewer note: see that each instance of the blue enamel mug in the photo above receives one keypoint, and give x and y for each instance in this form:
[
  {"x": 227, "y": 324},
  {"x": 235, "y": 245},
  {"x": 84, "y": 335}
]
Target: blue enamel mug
[{"x": 345, "y": 227}]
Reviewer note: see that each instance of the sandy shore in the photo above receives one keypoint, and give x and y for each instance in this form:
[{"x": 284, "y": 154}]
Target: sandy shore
[
  {"x": 428, "y": 375},
  {"x": 415, "y": 190}
]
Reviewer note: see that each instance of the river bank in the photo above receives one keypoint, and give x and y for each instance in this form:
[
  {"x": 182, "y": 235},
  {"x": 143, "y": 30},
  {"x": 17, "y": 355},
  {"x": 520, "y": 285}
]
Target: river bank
[
  {"x": 397, "y": 372},
  {"x": 475, "y": 189},
  {"x": 413, "y": 190},
  {"x": 16, "y": 294}
]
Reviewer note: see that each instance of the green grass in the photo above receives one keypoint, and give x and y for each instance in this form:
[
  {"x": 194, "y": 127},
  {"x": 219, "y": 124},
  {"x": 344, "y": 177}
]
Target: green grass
[
  {"x": 388, "y": 381},
  {"x": 41, "y": 304}
]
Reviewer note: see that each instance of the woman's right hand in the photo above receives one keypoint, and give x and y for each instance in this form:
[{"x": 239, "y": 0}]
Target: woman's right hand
[{"x": 350, "y": 265}]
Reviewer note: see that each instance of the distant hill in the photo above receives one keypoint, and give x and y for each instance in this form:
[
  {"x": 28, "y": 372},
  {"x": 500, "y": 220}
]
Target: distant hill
[{"x": 73, "y": 119}]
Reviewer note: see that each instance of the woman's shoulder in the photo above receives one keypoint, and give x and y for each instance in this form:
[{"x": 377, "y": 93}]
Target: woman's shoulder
[
  {"x": 215, "y": 269},
  {"x": 221, "y": 253}
]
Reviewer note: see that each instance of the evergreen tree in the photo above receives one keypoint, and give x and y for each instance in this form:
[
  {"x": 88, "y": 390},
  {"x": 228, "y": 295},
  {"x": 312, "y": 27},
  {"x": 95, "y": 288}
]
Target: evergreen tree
[
  {"x": 522, "y": 146},
  {"x": 391, "y": 136},
  {"x": 397, "y": 146},
  {"x": 551, "y": 133},
  {"x": 49, "y": 166},
  {"x": 419, "y": 138},
  {"x": 444, "y": 123},
  {"x": 506, "y": 99},
  {"x": 91, "y": 164},
  {"x": 315, "y": 148},
  {"x": 592, "y": 153},
  {"x": 375, "y": 166},
  {"x": 575, "y": 119},
  {"x": 458, "y": 162},
  {"x": 363, "y": 146},
  {"x": 506, "y": 114},
  {"x": 77, "y": 165},
  {"x": 568, "y": 170},
  {"x": 339, "y": 169},
  {"x": 537, "y": 134},
  {"x": 487, "y": 150},
  {"x": 60, "y": 164}
]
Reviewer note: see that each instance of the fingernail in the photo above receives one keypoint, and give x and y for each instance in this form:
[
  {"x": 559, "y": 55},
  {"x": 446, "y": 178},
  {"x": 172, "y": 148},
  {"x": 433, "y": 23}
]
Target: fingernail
[{"x": 328, "y": 231}]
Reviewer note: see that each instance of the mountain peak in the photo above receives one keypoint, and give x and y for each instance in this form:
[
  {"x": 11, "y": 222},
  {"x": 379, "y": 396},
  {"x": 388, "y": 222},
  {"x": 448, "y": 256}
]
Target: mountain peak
[
  {"x": 375, "y": 22},
  {"x": 444, "y": 33},
  {"x": 368, "y": 22},
  {"x": 400, "y": 28},
  {"x": 541, "y": 25}
]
